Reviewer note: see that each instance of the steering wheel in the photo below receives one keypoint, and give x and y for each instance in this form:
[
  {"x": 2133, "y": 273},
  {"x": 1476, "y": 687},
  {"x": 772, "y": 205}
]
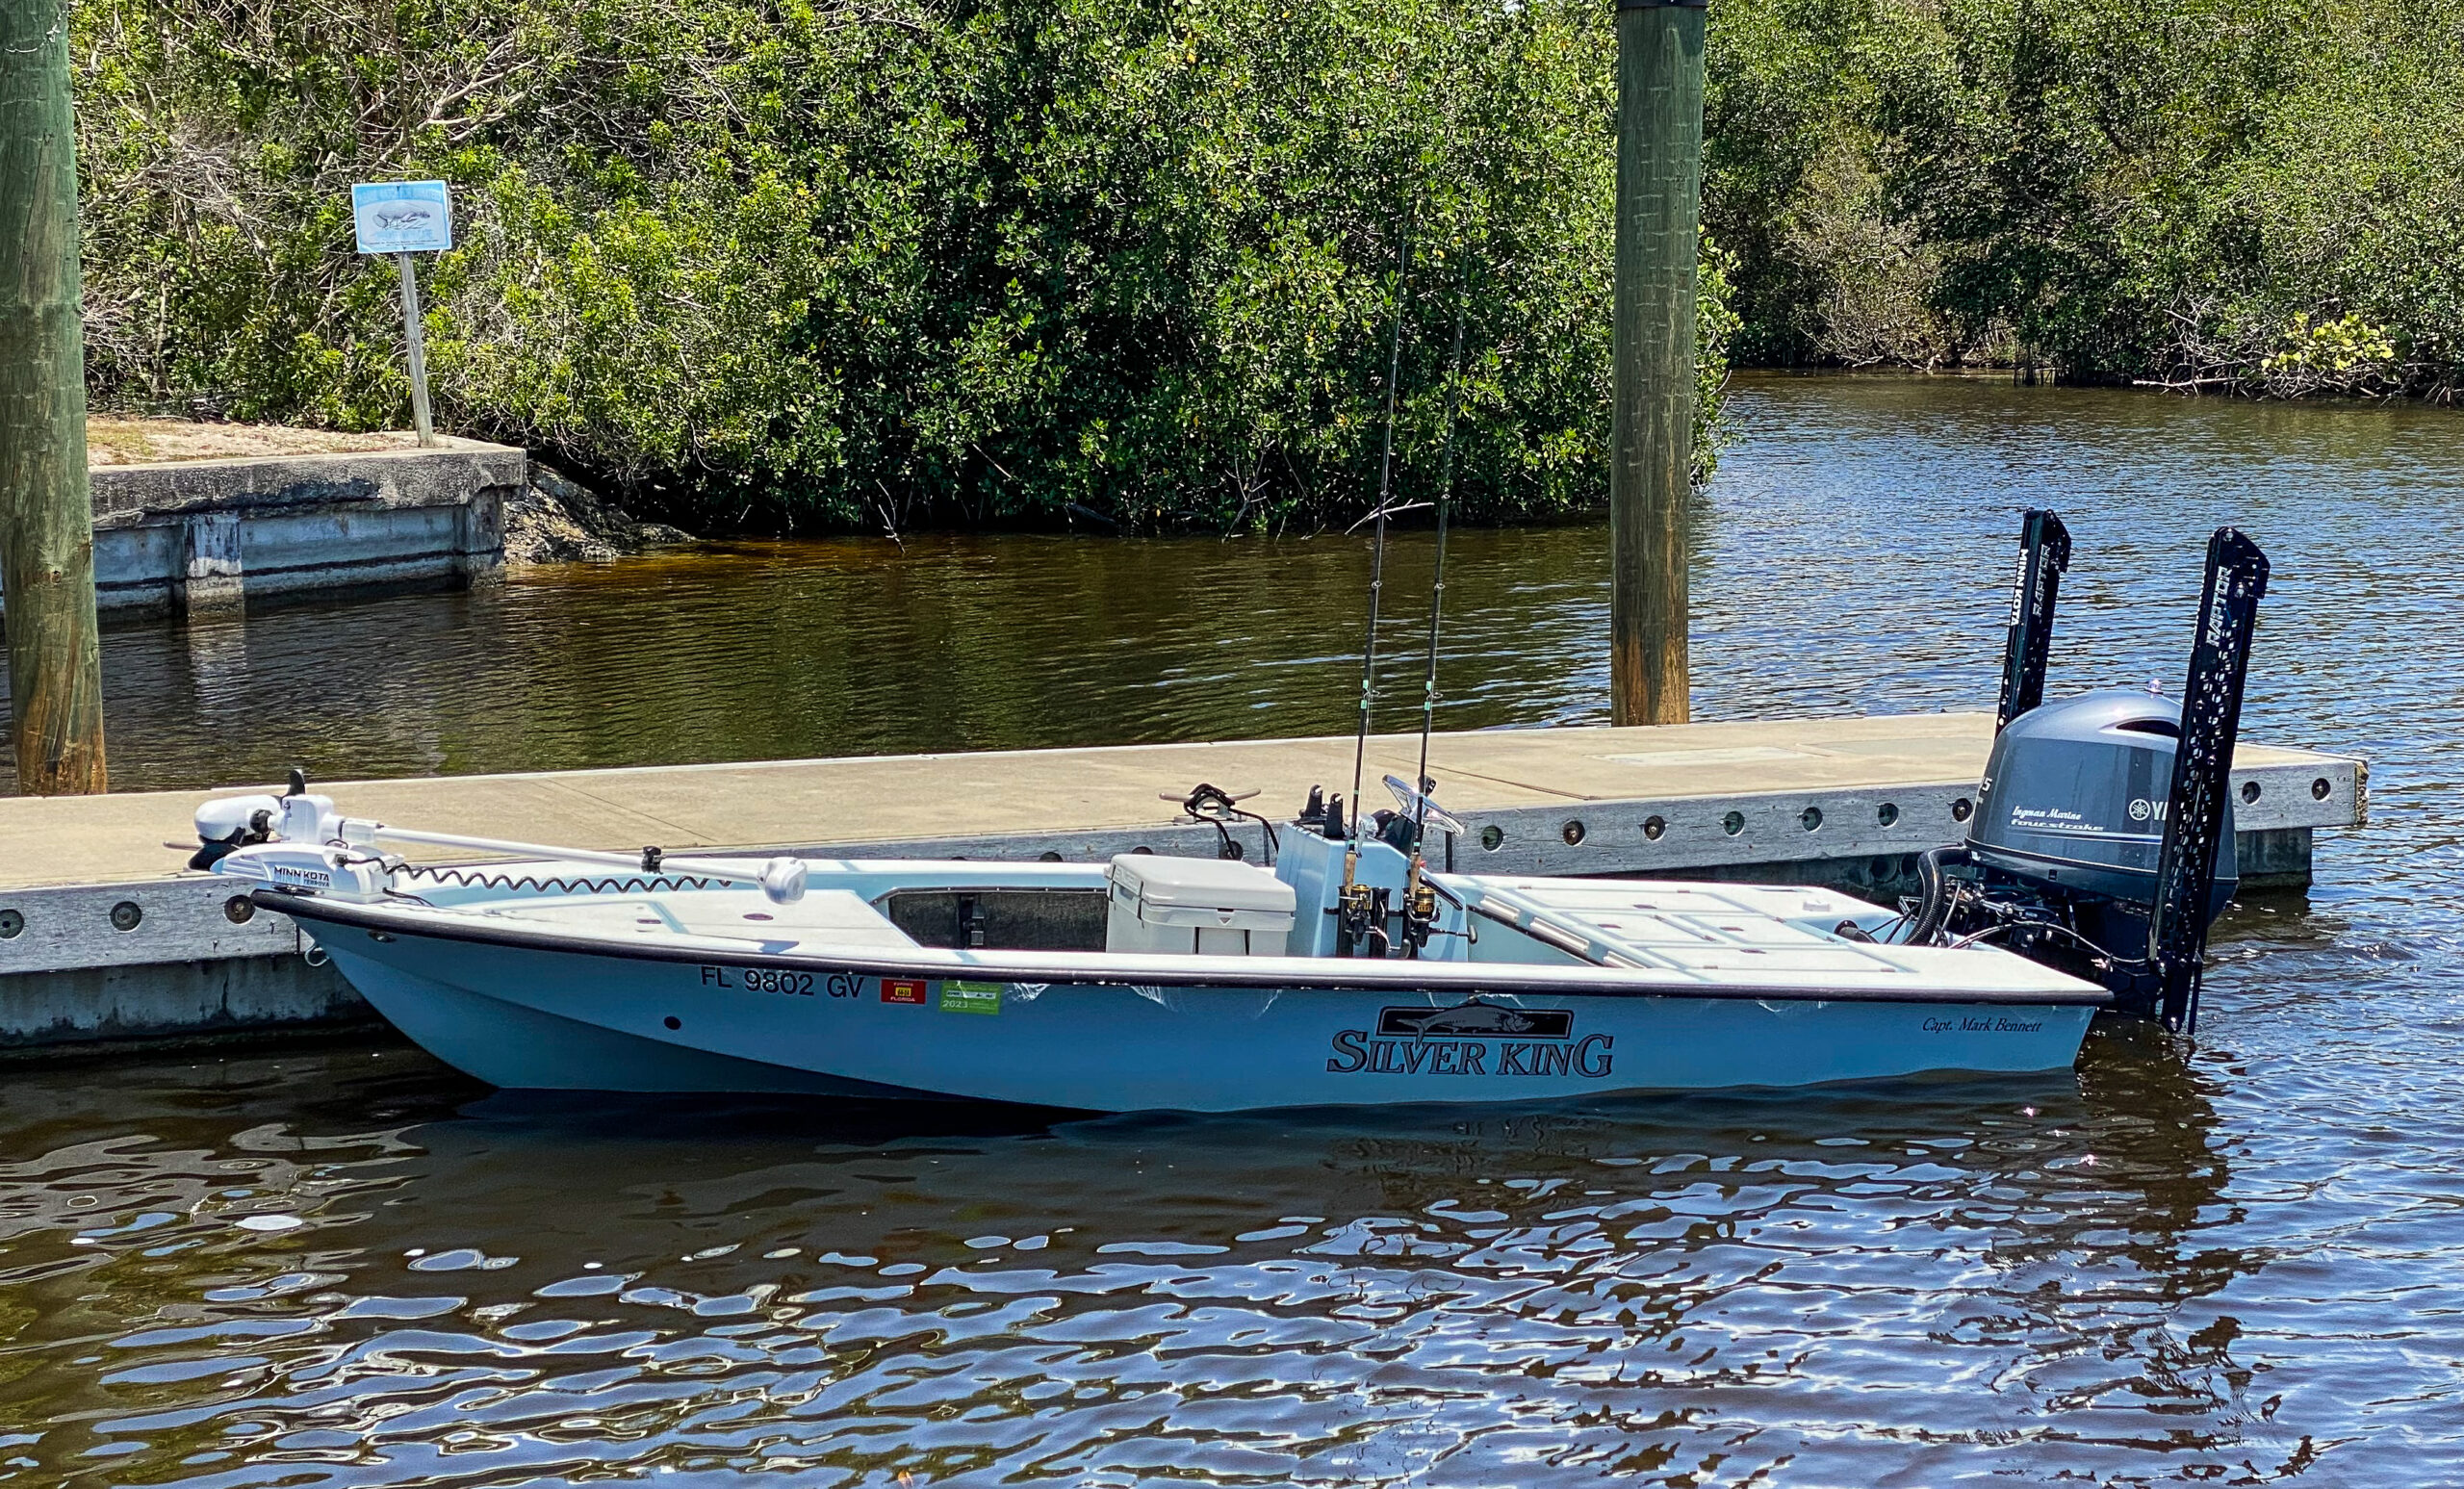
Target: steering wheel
[{"x": 1417, "y": 805}]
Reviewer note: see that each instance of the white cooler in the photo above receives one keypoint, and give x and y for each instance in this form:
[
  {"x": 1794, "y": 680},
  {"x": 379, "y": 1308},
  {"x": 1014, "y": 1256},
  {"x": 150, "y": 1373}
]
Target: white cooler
[{"x": 1212, "y": 905}]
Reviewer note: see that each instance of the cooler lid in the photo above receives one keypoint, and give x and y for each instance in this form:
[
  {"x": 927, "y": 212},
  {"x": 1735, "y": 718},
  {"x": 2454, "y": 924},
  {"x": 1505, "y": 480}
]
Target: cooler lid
[{"x": 1198, "y": 883}]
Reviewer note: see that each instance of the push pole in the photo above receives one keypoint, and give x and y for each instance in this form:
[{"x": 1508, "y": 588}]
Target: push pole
[
  {"x": 1659, "y": 197},
  {"x": 46, "y": 505},
  {"x": 414, "y": 344}
]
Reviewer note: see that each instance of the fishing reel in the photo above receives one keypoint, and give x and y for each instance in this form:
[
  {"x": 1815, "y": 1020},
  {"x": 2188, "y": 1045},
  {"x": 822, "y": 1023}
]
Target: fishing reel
[
  {"x": 1386, "y": 919},
  {"x": 1362, "y": 911},
  {"x": 1415, "y": 817}
]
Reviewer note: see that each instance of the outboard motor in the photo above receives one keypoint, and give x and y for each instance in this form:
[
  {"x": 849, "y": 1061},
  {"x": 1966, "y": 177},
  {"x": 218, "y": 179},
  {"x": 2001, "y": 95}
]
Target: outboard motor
[
  {"x": 2102, "y": 843},
  {"x": 2076, "y": 795}
]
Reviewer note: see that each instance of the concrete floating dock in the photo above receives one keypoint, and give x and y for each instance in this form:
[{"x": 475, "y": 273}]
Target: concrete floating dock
[{"x": 104, "y": 936}]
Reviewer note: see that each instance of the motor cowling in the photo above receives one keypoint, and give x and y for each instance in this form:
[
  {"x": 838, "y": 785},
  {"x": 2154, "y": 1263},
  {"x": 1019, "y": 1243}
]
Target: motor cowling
[
  {"x": 230, "y": 822},
  {"x": 2075, "y": 795}
]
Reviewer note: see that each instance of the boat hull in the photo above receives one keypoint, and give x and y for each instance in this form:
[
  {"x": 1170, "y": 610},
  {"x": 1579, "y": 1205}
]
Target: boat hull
[{"x": 565, "y": 1019}]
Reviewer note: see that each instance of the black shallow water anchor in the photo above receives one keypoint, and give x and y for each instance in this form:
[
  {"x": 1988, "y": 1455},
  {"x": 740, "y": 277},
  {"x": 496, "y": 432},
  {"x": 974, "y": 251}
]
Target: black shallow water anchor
[
  {"x": 2102, "y": 840},
  {"x": 2045, "y": 554},
  {"x": 2199, "y": 811}
]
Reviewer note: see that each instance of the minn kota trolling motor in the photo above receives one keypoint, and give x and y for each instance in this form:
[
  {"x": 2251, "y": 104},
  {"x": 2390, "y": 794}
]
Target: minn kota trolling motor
[{"x": 2102, "y": 842}]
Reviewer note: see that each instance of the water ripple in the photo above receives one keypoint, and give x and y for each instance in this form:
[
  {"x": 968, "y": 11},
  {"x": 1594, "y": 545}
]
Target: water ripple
[{"x": 350, "y": 1268}]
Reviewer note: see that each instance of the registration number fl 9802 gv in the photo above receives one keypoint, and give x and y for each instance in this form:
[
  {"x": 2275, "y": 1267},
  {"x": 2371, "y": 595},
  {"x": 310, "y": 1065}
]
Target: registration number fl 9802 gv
[{"x": 762, "y": 979}]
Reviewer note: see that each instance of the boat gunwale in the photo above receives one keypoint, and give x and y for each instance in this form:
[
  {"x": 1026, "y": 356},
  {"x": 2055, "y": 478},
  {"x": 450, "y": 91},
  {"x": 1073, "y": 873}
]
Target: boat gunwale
[{"x": 1470, "y": 979}]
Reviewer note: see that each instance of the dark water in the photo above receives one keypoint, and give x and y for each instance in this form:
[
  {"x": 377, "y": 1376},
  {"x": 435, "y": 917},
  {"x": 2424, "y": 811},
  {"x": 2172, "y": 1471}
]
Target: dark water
[
  {"x": 2237, "y": 1264},
  {"x": 1852, "y": 558}
]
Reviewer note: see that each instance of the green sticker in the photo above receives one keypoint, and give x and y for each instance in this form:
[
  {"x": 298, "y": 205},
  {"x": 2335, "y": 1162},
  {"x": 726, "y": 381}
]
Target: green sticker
[{"x": 971, "y": 997}]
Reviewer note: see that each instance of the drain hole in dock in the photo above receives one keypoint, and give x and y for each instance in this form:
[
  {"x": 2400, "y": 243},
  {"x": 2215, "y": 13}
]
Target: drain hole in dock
[
  {"x": 125, "y": 915},
  {"x": 1654, "y": 827},
  {"x": 1573, "y": 833},
  {"x": 1734, "y": 823},
  {"x": 1887, "y": 815},
  {"x": 1961, "y": 809},
  {"x": 1811, "y": 818},
  {"x": 13, "y": 924},
  {"x": 2320, "y": 789},
  {"x": 2249, "y": 790},
  {"x": 1492, "y": 838},
  {"x": 239, "y": 910},
  {"x": 672, "y": 1023}
]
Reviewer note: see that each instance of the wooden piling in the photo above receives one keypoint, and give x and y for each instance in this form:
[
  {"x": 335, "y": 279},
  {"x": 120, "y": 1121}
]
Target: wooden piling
[
  {"x": 46, "y": 514},
  {"x": 1659, "y": 189}
]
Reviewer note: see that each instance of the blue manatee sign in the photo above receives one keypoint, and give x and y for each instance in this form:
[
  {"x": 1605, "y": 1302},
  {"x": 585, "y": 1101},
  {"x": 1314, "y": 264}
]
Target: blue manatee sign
[{"x": 402, "y": 217}]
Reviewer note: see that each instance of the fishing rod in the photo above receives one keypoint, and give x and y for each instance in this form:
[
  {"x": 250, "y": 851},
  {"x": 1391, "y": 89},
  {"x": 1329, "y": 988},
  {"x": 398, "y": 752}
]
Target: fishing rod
[
  {"x": 1363, "y": 918},
  {"x": 1420, "y": 899}
]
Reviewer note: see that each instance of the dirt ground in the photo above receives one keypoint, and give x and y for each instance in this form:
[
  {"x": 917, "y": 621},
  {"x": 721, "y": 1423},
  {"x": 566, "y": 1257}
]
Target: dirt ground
[{"x": 112, "y": 439}]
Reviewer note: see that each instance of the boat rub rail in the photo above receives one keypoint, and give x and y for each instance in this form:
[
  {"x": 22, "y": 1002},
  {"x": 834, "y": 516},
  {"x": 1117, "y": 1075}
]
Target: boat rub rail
[{"x": 1468, "y": 978}]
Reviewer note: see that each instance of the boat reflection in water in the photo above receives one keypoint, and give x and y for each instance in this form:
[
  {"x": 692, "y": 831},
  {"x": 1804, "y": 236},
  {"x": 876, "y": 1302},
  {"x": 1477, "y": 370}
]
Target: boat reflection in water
[{"x": 352, "y": 1267}]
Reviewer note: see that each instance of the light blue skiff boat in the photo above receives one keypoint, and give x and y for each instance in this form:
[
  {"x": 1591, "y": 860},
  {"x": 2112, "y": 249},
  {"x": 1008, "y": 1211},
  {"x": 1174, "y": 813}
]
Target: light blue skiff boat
[{"x": 1144, "y": 983}]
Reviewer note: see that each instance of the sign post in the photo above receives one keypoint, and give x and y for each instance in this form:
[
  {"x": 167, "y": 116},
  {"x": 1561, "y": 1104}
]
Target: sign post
[
  {"x": 415, "y": 344},
  {"x": 403, "y": 218}
]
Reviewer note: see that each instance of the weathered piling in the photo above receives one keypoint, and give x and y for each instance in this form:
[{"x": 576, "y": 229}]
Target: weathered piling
[
  {"x": 1659, "y": 189},
  {"x": 46, "y": 519}
]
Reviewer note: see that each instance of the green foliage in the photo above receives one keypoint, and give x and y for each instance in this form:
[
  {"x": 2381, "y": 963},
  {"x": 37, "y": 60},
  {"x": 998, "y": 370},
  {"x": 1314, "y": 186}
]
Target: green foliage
[
  {"x": 2345, "y": 355},
  {"x": 782, "y": 263},
  {"x": 1715, "y": 329},
  {"x": 2183, "y": 191}
]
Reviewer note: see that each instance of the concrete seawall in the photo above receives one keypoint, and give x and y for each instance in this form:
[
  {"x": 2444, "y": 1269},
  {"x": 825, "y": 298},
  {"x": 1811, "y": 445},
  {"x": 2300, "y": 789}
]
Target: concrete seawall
[
  {"x": 103, "y": 938},
  {"x": 199, "y": 535}
]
